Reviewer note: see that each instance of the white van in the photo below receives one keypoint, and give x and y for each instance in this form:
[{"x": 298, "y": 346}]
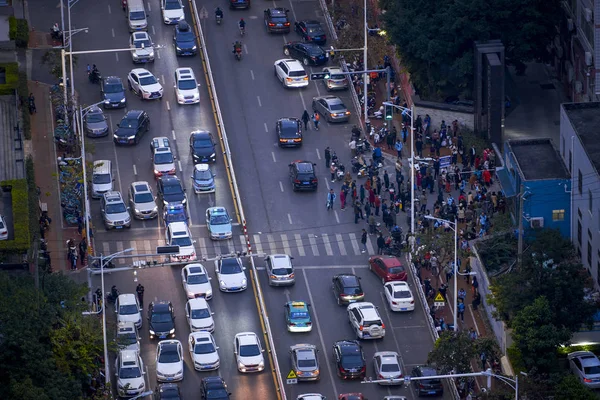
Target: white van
[
  {"x": 102, "y": 178},
  {"x": 137, "y": 18}
]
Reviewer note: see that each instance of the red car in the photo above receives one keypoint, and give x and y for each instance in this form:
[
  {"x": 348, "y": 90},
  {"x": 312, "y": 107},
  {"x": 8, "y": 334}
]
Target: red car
[
  {"x": 388, "y": 268},
  {"x": 351, "y": 396}
]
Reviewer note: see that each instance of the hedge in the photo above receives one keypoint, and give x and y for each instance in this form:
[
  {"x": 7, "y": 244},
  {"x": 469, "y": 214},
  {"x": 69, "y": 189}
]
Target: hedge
[
  {"x": 23, "y": 91},
  {"x": 34, "y": 207},
  {"x": 20, "y": 211},
  {"x": 12, "y": 78},
  {"x": 18, "y": 30}
]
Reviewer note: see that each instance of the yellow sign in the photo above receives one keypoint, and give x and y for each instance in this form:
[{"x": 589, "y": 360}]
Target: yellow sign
[
  {"x": 439, "y": 297},
  {"x": 292, "y": 375}
]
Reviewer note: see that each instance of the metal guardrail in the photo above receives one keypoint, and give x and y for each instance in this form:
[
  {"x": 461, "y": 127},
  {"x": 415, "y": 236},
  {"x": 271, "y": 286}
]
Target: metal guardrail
[{"x": 229, "y": 164}]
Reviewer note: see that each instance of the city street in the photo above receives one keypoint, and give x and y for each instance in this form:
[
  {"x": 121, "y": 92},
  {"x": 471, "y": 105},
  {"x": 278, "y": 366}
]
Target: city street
[{"x": 323, "y": 243}]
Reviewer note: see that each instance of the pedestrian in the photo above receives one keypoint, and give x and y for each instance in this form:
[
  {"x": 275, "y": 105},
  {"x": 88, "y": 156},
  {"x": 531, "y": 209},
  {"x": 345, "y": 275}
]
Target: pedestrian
[
  {"x": 476, "y": 300},
  {"x": 443, "y": 289},
  {"x": 377, "y": 204},
  {"x": 140, "y": 294},
  {"x": 468, "y": 270},
  {"x": 316, "y": 117},
  {"x": 367, "y": 210},
  {"x": 380, "y": 244},
  {"x": 363, "y": 240},
  {"x": 362, "y": 194},
  {"x": 83, "y": 251},
  {"x": 483, "y": 359},
  {"x": 419, "y": 146},
  {"x": 398, "y": 148},
  {"x": 461, "y": 311},
  {"x": 371, "y": 196},
  {"x": 357, "y": 212},
  {"x": 475, "y": 285},
  {"x": 330, "y": 199},
  {"x": 80, "y": 224},
  {"x": 372, "y": 224},
  {"x": 89, "y": 69},
  {"x": 332, "y": 170},
  {"x": 472, "y": 334},
  {"x": 436, "y": 167},
  {"x": 449, "y": 269},
  {"x": 462, "y": 294},
  {"x": 386, "y": 180},
  {"x": 305, "y": 119},
  {"x": 327, "y": 157},
  {"x": 423, "y": 201},
  {"x": 342, "y": 200},
  {"x": 378, "y": 185}
]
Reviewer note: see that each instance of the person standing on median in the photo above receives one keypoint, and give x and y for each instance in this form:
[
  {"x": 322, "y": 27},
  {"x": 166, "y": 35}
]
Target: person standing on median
[
  {"x": 363, "y": 240},
  {"x": 327, "y": 157},
  {"x": 398, "y": 147},
  {"x": 330, "y": 199},
  {"x": 305, "y": 119},
  {"x": 380, "y": 244}
]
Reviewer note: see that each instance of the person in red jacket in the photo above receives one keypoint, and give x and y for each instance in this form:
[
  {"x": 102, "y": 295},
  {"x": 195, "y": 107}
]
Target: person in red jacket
[{"x": 487, "y": 177}]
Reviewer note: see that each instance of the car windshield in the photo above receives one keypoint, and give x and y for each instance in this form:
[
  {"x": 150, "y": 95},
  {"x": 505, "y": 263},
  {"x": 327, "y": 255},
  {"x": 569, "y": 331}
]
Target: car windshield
[
  {"x": 217, "y": 394},
  {"x": 101, "y": 179},
  {"x": 305, "y": 177},
  {"x": 185, "y": 36},
  {"x": 163, "y": 158},
  {"x": 172, "y": 189},
  {"x": 230, "y": 268},
  {"x": 181, "y": 241},
  {"x": 299, "y": 315},
  {"x": 204, "y": 348},
  {"x": 337, "y": 107},
  {"x": 219, "y": 220},
  {"x": 128, "y": 309},
  {"x": 113, "y": 88},
  {"x": 115, "y": 208},
  {"x": 390, "y": 368},
  {"x": 403, "y": 294},
  {"x": 315, "y": 30},
  {"x": 148, "y": 80},
  {"x": 143, "y": 198},
  {"x": 172, "y": 5},
  {"x": 307, "y": 362},
  {"x": 352, "y": 359},
  {"x": 168, "y": 356},
  {"x": 161, "y": 317},
  {"x": 137, "y": 15},
  {"x": 592, "y": 370},
  {"x": 352, "y": 290},
  {"x": 315, "y": 51},
  {"x": 145, "y": 43},
  {"x": 249, "y": 350},
  {"x": 125, "y": 339},
  {"x": 289, "y": 129},
  {"x": 187, "y": 84},
  {"x": 128, "y": 123},
  {"x": 200, "y": 313},
  {"x": 282, "y": 271},
  {"x": 197, "y": 279},
  {"x": 94, "y": 117},
  {"x": 202, "y": 143},
  {"x": 396, "y": 270},
  {"x": 130, "y": 373},
  {"x": 202, "y": 175}
]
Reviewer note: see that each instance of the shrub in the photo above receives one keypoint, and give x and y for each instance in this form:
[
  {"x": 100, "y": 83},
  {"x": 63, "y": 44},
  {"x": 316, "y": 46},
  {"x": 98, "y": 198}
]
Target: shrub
[
  {"x": 11, "y": 71},
  {"x": 20, "y": 211},
  {"x": 32, "y": 192},
  {"x": 23, "y": 91},
  {"x": 22, "y": 34},
  {"x": 12, "y": 27}
]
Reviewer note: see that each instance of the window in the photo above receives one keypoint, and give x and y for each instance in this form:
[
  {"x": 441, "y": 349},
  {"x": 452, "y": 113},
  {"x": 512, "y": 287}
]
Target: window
[
  {"x": 580, "y": 182},
  {"x": 590, "y": 202},
  {"x": 589, "y": 254},
  {"x": 558, "y": 215},
  {"x": 579, "y": 234}
]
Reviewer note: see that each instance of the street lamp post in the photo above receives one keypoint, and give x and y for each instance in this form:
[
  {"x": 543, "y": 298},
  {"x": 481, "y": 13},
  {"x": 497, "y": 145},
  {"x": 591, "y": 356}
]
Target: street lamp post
[{"x": 366, "y": 105}]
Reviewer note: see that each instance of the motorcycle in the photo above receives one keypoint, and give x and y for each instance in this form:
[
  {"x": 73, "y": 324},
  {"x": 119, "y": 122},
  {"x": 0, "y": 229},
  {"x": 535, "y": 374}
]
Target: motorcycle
[
  {"x": 363, "y": 146},
  {"x": 55, "y": 33},
  {"x": 340, "y": 172},
  {"x": 238, "y": 54},
  {"x": 359, "y": 167},
  {"x": 113, "y": 295},
  {"x": 72, "y": 255},
  {"x": 124, "y": 4},
  {"x": 242, "y": 31},
  {"x": 219, "y": 19},
  {"x": 94, "y": 76}
]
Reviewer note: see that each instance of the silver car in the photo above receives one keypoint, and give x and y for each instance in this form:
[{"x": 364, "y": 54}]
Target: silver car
[
  {"x": 331, "y": 108},
  {"x": 114, "y": 211},
  {"x": 387, "y": 366},
  {"x": 586, "y": 367},
  {"x": 142, "y": 200},
  {"x": 305, "y": 362},
  {"x": 337, "y": 80},
  {"x": 95, "y": 123},
  {"x": 142, "y": 47},
  {"x": 280, "y": 270}
]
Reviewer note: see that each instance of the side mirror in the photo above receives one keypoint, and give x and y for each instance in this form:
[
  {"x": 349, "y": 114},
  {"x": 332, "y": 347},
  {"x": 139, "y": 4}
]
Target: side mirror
[
  {"x": 117, "y": 125},
  {"x": 194, "y": 241},
  {"x": 187, "y": 315},
  {"x": 212, "y": 313},
  {"x": 102, "y": 209},
  {"x": 243, "y": 268},
  {"x": 174, "y": 87},
  {"x": 217, "y": 347},
  {"x": 291, "y": 258},
  {"x": 289, "y": 165}
]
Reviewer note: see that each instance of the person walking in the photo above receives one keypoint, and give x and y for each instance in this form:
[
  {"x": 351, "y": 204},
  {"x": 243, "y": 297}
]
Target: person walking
[
  {"x": 398, "y": 148},
  {"x": 371, "y": 197},
  {"x": 330, "y": 199},
  {"x": 83, "y": 251},
  {"x": 423, "y": 201},
  {"x": 140, "y": 294},
  {"x": 363, "y": 241},
  {"x": 368, "y": 210},
  {"x": 449, "y": 270},
  {"x": 360, "y": 210},
  {"x": 386, "y": 180},
  {"x": 362, "y": 194},
  {"x": 419, "y": 146},
  {"x": 475, "y": 285},
  {"x": 372, "y": 224},
  {"x": 342, "y": 199},
  {"x": 305, "y": 118},
  {"x": 357, "y": 212},
  {"x": 476, "y": 300},
  {"x": 461, "y": 311},
  {"x": 332, "y": 170},
  {"x": 327, "y": 157},
  {"x": 380, "y": 244},
  {"x": 377, "y": 204},
  {"x": 316, "y": 117}
]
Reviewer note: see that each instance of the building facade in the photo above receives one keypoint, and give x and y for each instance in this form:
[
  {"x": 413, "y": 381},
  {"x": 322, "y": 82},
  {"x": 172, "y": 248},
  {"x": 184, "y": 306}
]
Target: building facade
[{"x": 580, "y": 150}]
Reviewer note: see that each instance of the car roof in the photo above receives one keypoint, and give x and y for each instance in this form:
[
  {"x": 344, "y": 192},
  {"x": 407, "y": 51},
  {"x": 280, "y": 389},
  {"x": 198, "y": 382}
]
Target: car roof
[
  {"x": 126, "y": 298},
  {"x": 160, "y": 306},
  {"x": 198, "y": 302},
  {"x": 128, "y": 357},
  {"x": 389, "y": 261},
  {"x": 113, "y": 197},
  {"x": 330, "y": 99},
  {"x": 277, "y": 11},
  {"x": 202, "y": 167},
  {"x": 333, "y": 70},
  {"x": 133, "y": 113},
  {"x": 141, "y": 72},
  {"x": 140, "y": 35},
  {"x": 218, "y": 210},
  {"x": 388, "y": 357},
  {"x": 178, "y": 226},
  {"x": 126, "y": 326},
  {"x": 303, "y": 347},
  {"x": 297, "y": 306},
  {"x": 169, "y": 180},
  {"x": 169, "y": 344},
  {"x": 113, "y": 79},
  {"x": 183, "y": 26},
  {"x": 247, "y": 338},
  {"x": 349, "y": 346},
  {"x": 293, "y": 65},
  {"x": 161, "y": 142},
  {"x": 195, "y": 269},
  {"x": 399, "y": 286},
  {"x": 280, "y": 260},
  {"x": 230, "y": 260},
  {"x": 185, "y": 73},
  {"x": 200, "y": 134},
  {"x": 348, "y": 279},
  {"x": 140, "y": 186},
  {"x": 426, "y": 370},
  {"x": 95, "y": 110},
  {"x": 304, "y": 166}
]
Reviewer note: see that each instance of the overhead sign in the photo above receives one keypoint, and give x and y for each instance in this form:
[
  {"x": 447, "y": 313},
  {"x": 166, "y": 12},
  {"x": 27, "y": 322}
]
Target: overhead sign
[
  {"x": 439, "y": 297},
  {"x": 292, "y": 378},
  {"x": 445, "y": 161}
]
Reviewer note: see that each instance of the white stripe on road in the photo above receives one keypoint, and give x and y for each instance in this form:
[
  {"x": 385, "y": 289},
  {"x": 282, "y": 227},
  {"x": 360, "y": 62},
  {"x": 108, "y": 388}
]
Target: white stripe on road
[
  {"x": 120, "y": 248},
  {"x": 201, "y": 245},
  {"x": 243, "y": 242},
  {"x": 313, "y": 245},
  {"x": 134, "y": 170},
  {"x": 281, "y": 186},
  {"x": 340, "y": 242},
  {"x": 259, "y": 248},
  {"x": 149, "y": 7},
  {"x": 158, "y": 54},
  {"x": 153, "y": 30},
  {"x": 173, "y": 134},
  {"x": 113, "y": 32},
  {"x": 117, "y": 56},
  {"x": 179, "y": 165},
  {"x": 318, "y": 154},
  {"x": 259, "y": 102},
  {"x": 252, "y": 74},
  {"x": 109, "y": 9},
  {"x": 290, "y": 219},
  {"x": 337, "y": 218},
  {"x": 328, "y": 248},
  {"x": 354, "y": 242},
  {"x": 286, "y": 244},
  {"x": 272, "y": 246},
  {"x": 148, "y": 247},
  {"x": 105, "y": 248},
  {"x": 168, "y": 104},
  {"x": 273, "y": 155},
  {"x": 299, "y": 245},
  {"x": 266, "y": 128},
  {"x": 246, "y": 49},
  {"x": 370, "y": 247}
]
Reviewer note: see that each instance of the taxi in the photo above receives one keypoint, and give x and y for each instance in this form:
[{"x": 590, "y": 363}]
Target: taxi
[{"x": 297, "y": 316}]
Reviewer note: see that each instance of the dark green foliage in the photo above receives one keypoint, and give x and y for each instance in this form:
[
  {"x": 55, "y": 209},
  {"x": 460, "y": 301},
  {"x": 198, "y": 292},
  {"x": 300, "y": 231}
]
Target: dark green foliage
[
  {"x": 23, "y": 92},
  {"x": 11, "y": 71},
  {"x": 498, "y": 252},
  {"x": 455, "y": 350},
  {"x": 570, "y": 388},
  {"x": 32, "y": 198},
  {"x": 20, "y": 209}
]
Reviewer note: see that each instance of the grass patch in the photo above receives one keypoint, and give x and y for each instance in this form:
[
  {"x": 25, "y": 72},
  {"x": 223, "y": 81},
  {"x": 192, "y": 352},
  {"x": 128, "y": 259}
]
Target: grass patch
[
  {"x": 20, "y": 210},
  {"x": 11, "y": 71}
]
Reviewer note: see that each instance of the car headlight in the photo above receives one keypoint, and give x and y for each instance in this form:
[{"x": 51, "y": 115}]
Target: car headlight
[
  {"x": 106, "y": 101},
  {"x": 213, "y": 155},
  {"x": 115, "y": 136},
  {"x": 123, "y": 100},
  {"x": 179, "y": 372},
  {"x": 164, "y": 201},
  {"x": 178, "y": 48},
  {"x": 141, "y": 385},
  {"x": 136, "y": 211},
  {"x": 152, "y": 332},
  {"x": 241, "y": 365},
  {"x": 155, "y": 209},
  {"x": 172, "y": 331},
  {"x": 209, "y": 293},
  {"x": 261, "y": 364},
  {"x": 191, "y": 294},
  {"x": 244, "y": 282},
  {"x": 130, "y": 137},
  {"x": 194, "y": 48},
  {"x": 222, "y": 284}
]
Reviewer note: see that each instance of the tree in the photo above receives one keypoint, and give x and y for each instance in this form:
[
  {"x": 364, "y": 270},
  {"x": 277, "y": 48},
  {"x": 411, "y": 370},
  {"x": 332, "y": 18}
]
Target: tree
[
  {"x": 52, "y": 58},
  {"x": 536, "y": 336},
  {"x": 435, "y": 39},
  {"x": 453, "y": 351},
  {"x": 570, "y": 388}
]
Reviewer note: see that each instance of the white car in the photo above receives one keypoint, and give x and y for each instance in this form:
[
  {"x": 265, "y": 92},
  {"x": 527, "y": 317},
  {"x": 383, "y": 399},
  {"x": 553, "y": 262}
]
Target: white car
[
  {"x": 163, "y": 160},
  {"x": 291, "y": 73},
  {"x": 199, "y": 316},
  {"x": 129, "y": 369},
  {"x": 365, "y": 320},
  {"x": 127, "y": 337},
  {"x": 399, "y": 296},
  {"x": 203, "y": 351},
  {"x": 3, "y": 229},
  {"x": 169, "y": 361},
  {"x": 586, "y": 367},
  {"x": 178, "y": 234},
  {"x": 186, "y": 86},
  {"x": 311, "y": 396},
  {"x": 172, "y": 11},
  {"x": 127, "y": 309},
  {"x": 231, "y": 275},
  {"x": 144, "y": 84},
  {"x": 143, "y": 48},
  {"x": 196, "y": 282},
  {"x": 387, "y": 366},
  {"x": 248, "y": 352}
]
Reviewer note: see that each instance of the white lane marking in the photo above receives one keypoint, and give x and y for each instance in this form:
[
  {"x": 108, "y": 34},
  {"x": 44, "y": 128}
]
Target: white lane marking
[
  {"x": 370, "y": 248},
  {"x": 299, "y": 245},
  {"x": 113, "y": 32},
  {"x": 158, "y": 54},
  {"x": 259, "y": 102},
  {"x": 303, "y": 102},
  {"x": 257, "y": 243},
  {"x": 266, "y": 128},
  {"x": 117, "y": 56},
  {"x": 313, "y": 245},
  {"x": 273, "y": 155},
  {"x": 281, "y": 186},
  {"x": 318, "y": 154},
  {"x": 134, "y": 170},
  {"x": 286, "y": 244},
  {"x": 340, "y": 241},
  {"x": 272, "y": 245},
  {"x": 153, "y": 30},
  {"x": 109, "y": 9},
  {"x": 150, "y": 8},
  {"x": 246, "y": 49},
  {"x": 179, "y": 164},
  {"x": 147, "y": 246},
  {"x": 327, "y": 184},
  {"x": 337, "y": 218},
  {"x": 120, "y": 248},
  {"x": 354, "y": 242},
  {"x": 474, "y": 321},
  {"x": 106, "y": 248},
  {"x": 290, "y": 219},
  {"x": 243, "y": 242},
  {"x": 252, "y": 74},
  {"x": 118, "y": 169},
  {"x": 168, "y": 104},
  {"x": 323, "y": 346},
  {"x": 328, "y": 248},
  {"x": 173, "y": 134}
]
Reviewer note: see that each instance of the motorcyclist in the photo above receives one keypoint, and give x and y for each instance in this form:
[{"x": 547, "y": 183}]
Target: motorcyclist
[
  {"x": 377, "y": 156},
  {"x": 237, "y": 47},
  {"x": 218, "y": 12},
  {"x": 114, "y": 293},
  {"x": 55, "y": 31},
  {"x": 242, "y": 24}
]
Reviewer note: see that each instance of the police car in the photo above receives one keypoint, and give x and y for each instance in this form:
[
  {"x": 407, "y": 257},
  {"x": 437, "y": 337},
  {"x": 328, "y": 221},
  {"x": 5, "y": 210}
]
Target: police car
[
  {"x": 174, "y": 212},
  {"x": 297, "y": 316},
  {"x": 218, "y": 223},
  {"x": 163, "y": 160}
]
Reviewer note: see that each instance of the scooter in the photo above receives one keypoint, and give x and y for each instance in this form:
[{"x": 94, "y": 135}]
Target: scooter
[
  {"x": 363, "y": 146},
  {"x": 55, "y": 33},
  {"x": 94, "y": 76},
  {"x": 238, "y": 54},
  {"x": 218, "y": 18},
  {"x": 112, "y": 296}
]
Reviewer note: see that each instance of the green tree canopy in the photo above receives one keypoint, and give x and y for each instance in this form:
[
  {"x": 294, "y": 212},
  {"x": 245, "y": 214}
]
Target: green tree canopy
[
  {"x": 435, "y": 39},
  {"x": 453, "y": 351},
  {"x": 570, "y": 388},
  {"x": 536, "y": 336}
]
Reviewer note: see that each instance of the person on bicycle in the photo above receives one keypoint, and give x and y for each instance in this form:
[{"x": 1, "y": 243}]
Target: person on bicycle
[{"x": 242, "y": 24}]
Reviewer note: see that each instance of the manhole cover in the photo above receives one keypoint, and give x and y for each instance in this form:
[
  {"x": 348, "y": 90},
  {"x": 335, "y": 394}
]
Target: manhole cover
[{"x": 547, "y": 86}]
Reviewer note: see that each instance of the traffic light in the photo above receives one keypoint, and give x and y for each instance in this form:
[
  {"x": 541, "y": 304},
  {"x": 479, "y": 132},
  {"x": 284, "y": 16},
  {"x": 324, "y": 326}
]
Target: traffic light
[
  {"x": 389, "y": 112},
  {"x": 319, "y": 76}
]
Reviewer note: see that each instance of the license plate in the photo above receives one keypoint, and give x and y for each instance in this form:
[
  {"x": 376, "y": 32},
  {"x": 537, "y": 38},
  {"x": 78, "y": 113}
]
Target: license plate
[
  {"x": 234, "y": 288},
  {"x": 162, "y": 337},
  {"x": 306, "y": 183},
  {"x": 143, "y": 60},
  {"x": 290, "y": 141},
  {"x": 431, "y": 392},
  {"x": 279, "y": 25},
  {"x": 123, "y": 141},
  {"x": 119, "y": 227},
  {"x": 403, "y": 309}
]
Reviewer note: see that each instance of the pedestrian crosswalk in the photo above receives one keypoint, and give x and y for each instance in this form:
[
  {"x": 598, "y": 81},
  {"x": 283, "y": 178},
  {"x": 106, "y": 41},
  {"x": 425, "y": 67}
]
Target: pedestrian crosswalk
[{"x": 295, "y": 245}]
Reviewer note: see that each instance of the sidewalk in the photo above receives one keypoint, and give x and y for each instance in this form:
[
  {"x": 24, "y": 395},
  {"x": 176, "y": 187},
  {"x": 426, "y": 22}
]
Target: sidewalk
[{"x": 46, "y": 176}]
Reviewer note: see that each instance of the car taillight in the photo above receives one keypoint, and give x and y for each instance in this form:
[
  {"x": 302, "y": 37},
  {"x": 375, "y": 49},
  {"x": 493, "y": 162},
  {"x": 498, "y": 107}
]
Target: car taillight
[
  {"x": 297, "y": 140},
  {"x": 272, "y": 277},
  {"x": 296, "y": 181},
  {"x": 271, "y": 24},
  {"x": 289, "y": 80},
  {"x": 382, "y": 326},
  {"x": 421, "y": 386},
  {"x": 308, "y": 323},
  {"x": 314, "y": 180},
  {"x": 394, "y": 303},
  {"x": 363, "y": 369},
  {"x": 342, "y": 369},
  {"x": 360, "y": 328},
  {"x": 292, "y": 323},
  {"x": 306, "y": 78},
  {"x": 587, "y": 380},
  {"x": 412, "y": 302},
  {"x": 286, "y": 24},
  {"x": 291, "y": 275},
  {"x": 380, "y": 376}
]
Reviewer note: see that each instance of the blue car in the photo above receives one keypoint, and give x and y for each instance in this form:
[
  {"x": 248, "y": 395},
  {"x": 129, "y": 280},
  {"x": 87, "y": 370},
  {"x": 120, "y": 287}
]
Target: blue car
[
  {"x": 203, "y": 179},
  {"x": 297, "y": 316},
  {"x": 175, "y": 212}
]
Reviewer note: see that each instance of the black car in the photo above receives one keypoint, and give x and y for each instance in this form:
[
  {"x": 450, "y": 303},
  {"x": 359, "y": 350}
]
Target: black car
[
  {"x": 184, "y": 40},
  {"x": 214, "y": 388},
  {"x": 132, "y": 127},
  {"x": 113, "y": 92},
  {"x": 167, "y": 391},
  {"x": 239, "y": 4},
  {"x": 311, "y": 31},
  {"x": 171, "y": 190},
  {"x": 349, "y": 359},
  {"x": 427, "y": 386},
  {"x": 347, "y": 289},
  {"x": 308, "y": 53},
  {"x": 289, "y": 132},
  {"x": 202, "y": 147},
  {"x": 276, "y": 20},
  {"x": 303, "y": 176},
  {"x": 161, "y": 320}
]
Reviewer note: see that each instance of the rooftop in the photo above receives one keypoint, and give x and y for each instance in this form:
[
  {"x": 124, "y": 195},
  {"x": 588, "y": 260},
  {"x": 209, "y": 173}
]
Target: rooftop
[
  {"x": 538, "y": 159},
  {"x": 585, "y": 118}
]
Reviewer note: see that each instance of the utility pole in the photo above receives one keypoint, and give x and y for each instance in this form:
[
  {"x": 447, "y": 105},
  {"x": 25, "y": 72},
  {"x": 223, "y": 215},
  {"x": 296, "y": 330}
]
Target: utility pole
[{"x": 520, "y": 238}]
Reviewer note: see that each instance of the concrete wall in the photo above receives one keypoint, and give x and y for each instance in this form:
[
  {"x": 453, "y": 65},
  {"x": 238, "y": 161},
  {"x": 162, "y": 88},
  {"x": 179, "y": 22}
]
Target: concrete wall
[
  {"x": 446, "y": 112},
  {"x": 585, "y": 223}
]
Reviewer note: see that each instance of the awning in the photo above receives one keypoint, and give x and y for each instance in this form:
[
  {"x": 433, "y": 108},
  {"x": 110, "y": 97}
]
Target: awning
[{"x": 505, "y": 182}]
